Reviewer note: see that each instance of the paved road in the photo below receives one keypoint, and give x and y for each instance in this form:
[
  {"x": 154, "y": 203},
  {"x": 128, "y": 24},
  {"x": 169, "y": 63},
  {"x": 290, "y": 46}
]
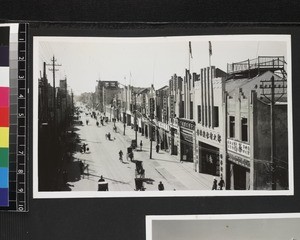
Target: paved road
[{"x": 103, "y": 159}]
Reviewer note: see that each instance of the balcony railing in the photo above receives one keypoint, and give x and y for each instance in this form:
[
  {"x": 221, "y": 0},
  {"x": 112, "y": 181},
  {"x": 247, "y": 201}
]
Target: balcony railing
[{"x": 262, "y": 62}]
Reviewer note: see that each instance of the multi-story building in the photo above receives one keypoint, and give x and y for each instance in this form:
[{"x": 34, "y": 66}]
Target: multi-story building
[
  {"x": 175, "y": 89},
  {"x": 209, "y": 122},
  {"x": 186, "y": 121},
  {"x": 256, "y": 124},
  {"x": 222, "y": 122},
  {"x": 106, "y": 92},
  {"x": 162, "y": 118}
]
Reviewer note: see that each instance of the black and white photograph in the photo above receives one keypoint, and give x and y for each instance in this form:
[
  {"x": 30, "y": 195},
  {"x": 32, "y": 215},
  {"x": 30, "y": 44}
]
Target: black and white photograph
[
  {"x": 162, "y": 116},
  {"x": 227, "y": 227}
]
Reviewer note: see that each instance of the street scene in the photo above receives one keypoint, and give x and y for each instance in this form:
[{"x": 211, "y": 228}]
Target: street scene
[
  {"x": 227, "y": 227},
  {"x": 156, "y": 115}
]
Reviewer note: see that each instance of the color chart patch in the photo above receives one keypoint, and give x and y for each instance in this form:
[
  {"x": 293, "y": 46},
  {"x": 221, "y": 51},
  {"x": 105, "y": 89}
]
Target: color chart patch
[{"x": 4, "y": 116}]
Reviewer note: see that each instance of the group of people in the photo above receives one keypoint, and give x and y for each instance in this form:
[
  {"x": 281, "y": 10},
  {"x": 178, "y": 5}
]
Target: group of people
[{"x": 221, "y": 184}]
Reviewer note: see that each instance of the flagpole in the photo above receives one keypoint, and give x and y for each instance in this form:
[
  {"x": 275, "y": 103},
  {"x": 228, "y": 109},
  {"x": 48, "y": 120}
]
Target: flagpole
[
  {"x": 211, "y": 86},
  {"x": 188, "y": 110},
  {"x": 189, "y": 81}
]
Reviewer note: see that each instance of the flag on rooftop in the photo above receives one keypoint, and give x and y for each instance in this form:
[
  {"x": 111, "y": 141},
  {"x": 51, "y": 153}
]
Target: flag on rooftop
[{"x": 190, "y": 47}]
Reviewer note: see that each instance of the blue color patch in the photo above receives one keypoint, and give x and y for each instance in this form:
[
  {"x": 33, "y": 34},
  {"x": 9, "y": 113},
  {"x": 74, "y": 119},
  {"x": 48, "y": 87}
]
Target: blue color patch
[
  {"x": 4, "y": 198},
  {"x": 3, "y": 177}
]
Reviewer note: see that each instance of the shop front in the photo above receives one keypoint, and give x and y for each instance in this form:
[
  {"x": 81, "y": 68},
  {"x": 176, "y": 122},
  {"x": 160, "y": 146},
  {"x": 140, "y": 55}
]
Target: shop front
[
  {"x": 163, "y": 130},
  {"x": 209, "y": 162},
  {"x": 174, "y": 137},
  {"x": 238, "y": 173},
  {"x": 128, "y": 120},
  {"x": 187, "y": 132},
  {"x": 139, "y": 122},
  {"x": 238, "y": 165}
]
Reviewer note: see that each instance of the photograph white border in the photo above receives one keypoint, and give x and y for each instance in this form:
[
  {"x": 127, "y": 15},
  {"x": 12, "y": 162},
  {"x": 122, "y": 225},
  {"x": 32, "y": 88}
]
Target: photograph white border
[
  {"x": 151, "y": 218},
  {"x": 181, "y": 193}
]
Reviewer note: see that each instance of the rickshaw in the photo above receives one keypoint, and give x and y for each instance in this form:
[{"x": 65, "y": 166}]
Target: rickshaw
[
  {"x": 139, "y": 184},
  {"x": 102, "y": 186},
  {"x": 139, "y": 170}
]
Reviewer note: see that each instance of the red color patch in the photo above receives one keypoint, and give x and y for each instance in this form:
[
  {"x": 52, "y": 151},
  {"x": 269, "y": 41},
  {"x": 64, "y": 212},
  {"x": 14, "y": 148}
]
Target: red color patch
[
  {"x": 4, "y": 117},
  {"x": 4, "y": 97}
]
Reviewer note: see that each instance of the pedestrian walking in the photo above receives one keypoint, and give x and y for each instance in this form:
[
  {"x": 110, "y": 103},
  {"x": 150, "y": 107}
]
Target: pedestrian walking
[
  {"x": 121, "y": 155},
  {"x": 108, "y": 135},
  {"x": 141, "y": 145},
  {"x": 81, "y": 166},
  {"x": 157, "y": 148},
  {"x": 214, "y": 187},
  {"x": 84, "y": 147},
  {"x": 161, "y": 186},
  {"x": 221, "y": 184},
  {"x": 97, "y": 123},
  {"x": 131, "y": 156},
  {"x": 87, "y": 122}
]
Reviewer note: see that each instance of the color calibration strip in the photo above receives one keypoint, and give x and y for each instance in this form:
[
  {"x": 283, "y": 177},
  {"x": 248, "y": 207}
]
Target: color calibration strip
[
  {"x": 13, "y": 102},
  {"x": 4, "y": 116},
  {"x": 21, "y": 92}
]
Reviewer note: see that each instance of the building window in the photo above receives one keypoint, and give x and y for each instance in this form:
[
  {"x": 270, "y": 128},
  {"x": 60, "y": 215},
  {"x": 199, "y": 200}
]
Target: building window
[
  {"x": 231, "y": 126},
  {"x": 244, "y": 129},
  {"x": 216, "y": 117},
  {"x": 199, "y": 113}
]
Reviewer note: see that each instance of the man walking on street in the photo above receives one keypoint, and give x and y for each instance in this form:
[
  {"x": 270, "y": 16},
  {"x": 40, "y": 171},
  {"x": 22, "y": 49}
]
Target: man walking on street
[
  {"x": 214, "y": 187},
  {"x": 141, "y": 145},
  {"x": 131, "y": 156},
  {"x": 221, "y": 183},
  {"x": 121, "y": 155},
  {"x": 157, "y": 148}
]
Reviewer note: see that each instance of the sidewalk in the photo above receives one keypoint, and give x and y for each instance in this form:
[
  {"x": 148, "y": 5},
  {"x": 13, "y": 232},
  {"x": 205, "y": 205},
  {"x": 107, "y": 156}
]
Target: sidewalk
[{"x": 174, "y": 174}]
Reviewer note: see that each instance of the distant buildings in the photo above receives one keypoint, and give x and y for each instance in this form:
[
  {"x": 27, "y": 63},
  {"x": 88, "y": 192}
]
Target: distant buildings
[{"x": 229, "y": 124}]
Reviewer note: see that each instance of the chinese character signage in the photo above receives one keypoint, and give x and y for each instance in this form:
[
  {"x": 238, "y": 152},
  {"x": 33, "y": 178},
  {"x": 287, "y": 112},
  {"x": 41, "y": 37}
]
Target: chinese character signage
[{"x": 238, "y": 147}]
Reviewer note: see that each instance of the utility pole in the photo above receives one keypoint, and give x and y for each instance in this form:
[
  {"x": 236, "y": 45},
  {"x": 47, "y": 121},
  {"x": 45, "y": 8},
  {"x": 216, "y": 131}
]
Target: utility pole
[
  {"x": 151, "y": 119},
  {"x": 54, "y": 90},
  {"x": 135, "y": 119},
  {"x": 273, "y": 97}
]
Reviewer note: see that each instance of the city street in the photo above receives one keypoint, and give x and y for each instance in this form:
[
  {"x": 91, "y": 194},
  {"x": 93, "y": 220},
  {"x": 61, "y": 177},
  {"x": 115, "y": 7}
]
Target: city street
[{"x": 103, "y": 159}]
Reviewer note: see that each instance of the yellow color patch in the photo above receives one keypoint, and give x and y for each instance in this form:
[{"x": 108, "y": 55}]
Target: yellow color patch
[{"x": 4, "y": 137}]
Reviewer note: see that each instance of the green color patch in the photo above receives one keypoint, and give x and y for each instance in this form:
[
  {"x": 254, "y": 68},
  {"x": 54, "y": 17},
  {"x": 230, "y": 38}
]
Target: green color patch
[{"x": 4, "y": 157}]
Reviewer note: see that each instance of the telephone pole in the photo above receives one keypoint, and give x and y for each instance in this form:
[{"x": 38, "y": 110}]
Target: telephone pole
[
  {"x": 268, "y": 91},
  {"x": 53, "y": 64}
]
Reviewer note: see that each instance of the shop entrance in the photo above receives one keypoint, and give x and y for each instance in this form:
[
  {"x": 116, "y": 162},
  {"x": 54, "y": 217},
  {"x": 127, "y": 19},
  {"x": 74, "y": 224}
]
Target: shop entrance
[
  {"x": 209, "y": 159},
  {"x": 238, "y": 177},
  {"x": 186, "y": 147}
]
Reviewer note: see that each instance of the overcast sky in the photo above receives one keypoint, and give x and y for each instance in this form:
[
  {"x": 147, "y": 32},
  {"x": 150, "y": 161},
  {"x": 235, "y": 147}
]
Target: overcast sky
[
  {"x": 253, "y": 229},
  {"x": 143, "y": 61}
]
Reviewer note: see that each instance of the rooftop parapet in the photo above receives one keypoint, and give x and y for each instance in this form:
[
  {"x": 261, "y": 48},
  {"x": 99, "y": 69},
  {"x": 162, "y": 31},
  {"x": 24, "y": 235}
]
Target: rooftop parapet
[{"x": 252, "y": 67}]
